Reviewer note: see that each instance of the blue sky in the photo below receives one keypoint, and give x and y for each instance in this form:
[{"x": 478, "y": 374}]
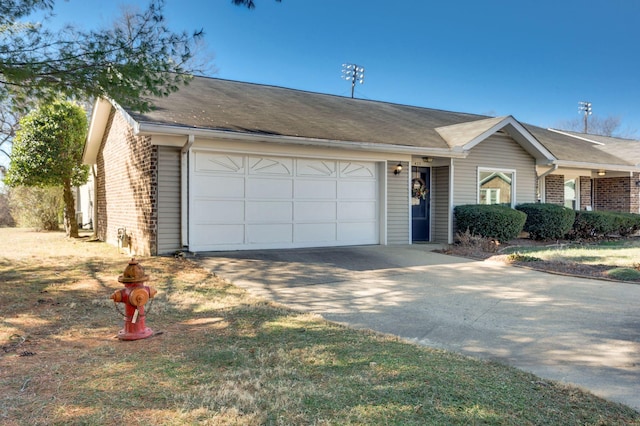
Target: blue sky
[{"x": 533, "y": 59}]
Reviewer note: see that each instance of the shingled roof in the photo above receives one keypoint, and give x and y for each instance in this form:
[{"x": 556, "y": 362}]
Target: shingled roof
[
  {"x": 247, "y": 108},
  {"x": 209, "y": 103}
]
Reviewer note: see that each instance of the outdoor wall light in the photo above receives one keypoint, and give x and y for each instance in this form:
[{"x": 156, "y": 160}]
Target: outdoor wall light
[
  {"x": 398, "y": 169},
  {"x": 427, "y": 159},
  {"x": 601, "y": 173}
]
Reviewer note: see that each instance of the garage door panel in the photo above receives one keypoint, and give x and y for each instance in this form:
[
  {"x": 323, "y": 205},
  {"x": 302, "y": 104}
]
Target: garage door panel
[
  {"x": 210, "y": 236},
  {"x": 315, "y": 211},
  {"x": 218, "y": 186},
  {"x": 357, "y": 232},
  {"x": 270, "y": 166},
  {"x": 317, "y": 168},
  {"x": 357, "y": 190},
  {"x": 356, "y": 211},
  {"x": 218, "y": 212},
  {"x": 315, "y": 189},
  {"x": 269, "y": 211},
  {"x": 357, "y": 169},
  {"x": 269, "y": 188},
  {"x": 218, "y": 163},
  {"x": 269, "y": 233},
  {"x": 315, "y": 232}
]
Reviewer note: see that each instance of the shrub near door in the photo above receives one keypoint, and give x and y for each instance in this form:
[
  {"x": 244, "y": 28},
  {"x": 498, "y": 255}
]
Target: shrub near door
[
  {"x": 492, "y": 221},
  {"x": 547, "y": 221}
]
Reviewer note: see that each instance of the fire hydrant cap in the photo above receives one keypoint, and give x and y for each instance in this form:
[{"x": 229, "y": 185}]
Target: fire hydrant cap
[{"x": 133, "y": 273}]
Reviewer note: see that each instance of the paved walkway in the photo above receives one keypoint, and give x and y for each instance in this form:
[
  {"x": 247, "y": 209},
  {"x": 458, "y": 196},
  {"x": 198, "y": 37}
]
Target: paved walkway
[{"x": 578, "y": 331}]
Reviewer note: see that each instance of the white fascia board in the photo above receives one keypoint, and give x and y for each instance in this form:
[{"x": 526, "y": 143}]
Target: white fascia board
[
  {"x": 155, "y": 129},
  {"x": 597, "y": 166},
  {"x": 544, "y": 154},
  {"x": 97, "y": 127}
]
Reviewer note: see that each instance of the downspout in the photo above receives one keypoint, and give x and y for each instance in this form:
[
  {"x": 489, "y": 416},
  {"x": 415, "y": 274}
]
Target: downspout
[
  {"x": 94, "y": 215},
  {"x": 541, "y": 181},
  {"x": 184, "y": 190},
  {"x": 450, "y": 218}
]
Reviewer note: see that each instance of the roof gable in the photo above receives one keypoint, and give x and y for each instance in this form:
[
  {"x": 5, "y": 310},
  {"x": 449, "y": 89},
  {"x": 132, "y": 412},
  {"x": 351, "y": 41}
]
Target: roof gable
[{"x": 465, "y": 136}]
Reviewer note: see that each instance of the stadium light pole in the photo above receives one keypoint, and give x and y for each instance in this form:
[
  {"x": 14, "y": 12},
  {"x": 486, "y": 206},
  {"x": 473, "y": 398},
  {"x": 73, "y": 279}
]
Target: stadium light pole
[
  {"x": 353, "y": 73},
  {"x": 585, "y": 107}
]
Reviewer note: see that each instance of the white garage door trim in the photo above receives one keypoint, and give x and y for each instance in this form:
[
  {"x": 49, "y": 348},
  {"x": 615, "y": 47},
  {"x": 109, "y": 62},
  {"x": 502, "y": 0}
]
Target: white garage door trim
[{"x": 252, "y": 201}]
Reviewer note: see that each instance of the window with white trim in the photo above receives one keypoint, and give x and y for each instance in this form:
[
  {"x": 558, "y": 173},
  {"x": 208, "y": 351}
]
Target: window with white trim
[
  {"x": 570, "y": 194},
  {"x": 496, "y": 186}
]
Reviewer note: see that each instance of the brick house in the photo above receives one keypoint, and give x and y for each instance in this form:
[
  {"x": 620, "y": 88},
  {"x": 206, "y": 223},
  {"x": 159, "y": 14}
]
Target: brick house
[{"x": 224, "y": 165}]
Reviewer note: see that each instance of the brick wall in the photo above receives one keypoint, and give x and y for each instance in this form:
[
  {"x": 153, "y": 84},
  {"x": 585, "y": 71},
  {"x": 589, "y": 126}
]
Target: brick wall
[
  {"x": 127, "y": 187},
  {"x": 585, "y": 192},
  {"x": 617, "y": 194},
  {"x": 554, "y": 189},
  {"x": 634, "y": 202}
]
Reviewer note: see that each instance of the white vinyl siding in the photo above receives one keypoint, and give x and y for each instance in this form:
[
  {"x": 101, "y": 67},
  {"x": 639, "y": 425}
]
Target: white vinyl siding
[
  {"x": 168, "y": 199},
  {"x": 398, "y": 218},
  {"x": 440, "y": 200},
  {"x": 498, "y": 152}
]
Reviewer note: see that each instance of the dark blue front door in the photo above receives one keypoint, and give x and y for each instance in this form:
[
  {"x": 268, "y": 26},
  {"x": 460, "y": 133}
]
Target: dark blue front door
[{"x": 420, "y": 197}]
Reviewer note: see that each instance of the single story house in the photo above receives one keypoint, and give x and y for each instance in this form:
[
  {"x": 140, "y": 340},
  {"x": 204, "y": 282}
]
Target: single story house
[{"x": 226, "y": 165}]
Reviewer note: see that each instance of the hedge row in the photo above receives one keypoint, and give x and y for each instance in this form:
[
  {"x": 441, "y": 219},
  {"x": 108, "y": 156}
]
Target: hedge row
[
  {"x": 601, "y": 224},
  {"x": 542, "y": 222}
]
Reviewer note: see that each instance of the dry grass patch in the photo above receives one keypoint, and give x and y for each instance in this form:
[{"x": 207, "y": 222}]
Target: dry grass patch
[{"x": 226, "y": 358}]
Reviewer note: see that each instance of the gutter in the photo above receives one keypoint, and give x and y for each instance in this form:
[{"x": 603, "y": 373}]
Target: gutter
[
  {"x": 149, "y": 128},
  {"x": 184, "y": 190}
]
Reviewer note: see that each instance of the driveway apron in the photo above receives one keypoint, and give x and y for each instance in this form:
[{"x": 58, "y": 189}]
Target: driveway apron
[{"x": 578, "y": 331}]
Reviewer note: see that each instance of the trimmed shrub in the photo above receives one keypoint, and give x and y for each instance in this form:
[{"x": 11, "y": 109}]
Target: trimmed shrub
[
  {"x": 547, "y": 221},
  {"x": 491, "y": 221},
  {"x": 601, "y": 224}
]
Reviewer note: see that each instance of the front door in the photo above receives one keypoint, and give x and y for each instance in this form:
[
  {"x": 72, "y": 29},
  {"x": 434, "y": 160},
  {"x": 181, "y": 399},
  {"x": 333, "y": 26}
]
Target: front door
[{"x": 420, "y": 203}]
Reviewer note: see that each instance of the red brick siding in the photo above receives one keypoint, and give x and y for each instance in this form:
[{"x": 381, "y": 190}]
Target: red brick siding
[
  {"x": 618, "y": 194},
  {"x": 585, "y": 192},
  {"x": 554, "y": 189},
  {"x": 127, "y": 187}
]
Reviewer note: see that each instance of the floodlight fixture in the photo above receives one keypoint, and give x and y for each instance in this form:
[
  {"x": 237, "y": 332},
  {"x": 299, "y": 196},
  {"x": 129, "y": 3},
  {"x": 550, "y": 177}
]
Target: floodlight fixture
[
  {"x": 584, "y": 107},
  {"x": 353, "y": 73}
]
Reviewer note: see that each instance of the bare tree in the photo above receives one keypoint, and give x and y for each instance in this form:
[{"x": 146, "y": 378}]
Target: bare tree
[
  {"x": 607, "y": 126},
  {"x": 9, "y": 119}
]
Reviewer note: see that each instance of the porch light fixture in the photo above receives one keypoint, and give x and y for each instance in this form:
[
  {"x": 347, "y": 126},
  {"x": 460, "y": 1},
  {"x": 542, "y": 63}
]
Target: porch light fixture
[
  {"x": 601, "y": 173},
  {"x": 398, "y": 169},
  {"x": 427, "y": 159}
]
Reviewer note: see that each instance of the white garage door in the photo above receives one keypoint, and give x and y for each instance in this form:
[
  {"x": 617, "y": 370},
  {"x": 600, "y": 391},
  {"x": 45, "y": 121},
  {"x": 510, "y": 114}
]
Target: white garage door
[{"x": 243, "y": 202}]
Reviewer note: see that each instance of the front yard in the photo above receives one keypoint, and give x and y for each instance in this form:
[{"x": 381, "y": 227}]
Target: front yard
[
  {"x": 220, "y": 356},
  {"x": 617, "y": 259}
]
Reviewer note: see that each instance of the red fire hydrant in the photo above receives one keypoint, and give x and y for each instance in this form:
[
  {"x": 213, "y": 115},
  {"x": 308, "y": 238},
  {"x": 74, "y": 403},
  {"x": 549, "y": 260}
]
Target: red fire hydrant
[{"x": 134, "y": 296}]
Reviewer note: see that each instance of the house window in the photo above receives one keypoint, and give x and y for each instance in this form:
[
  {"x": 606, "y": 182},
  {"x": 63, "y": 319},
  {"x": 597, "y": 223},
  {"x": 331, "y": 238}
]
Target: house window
[
  {"x": 570, "y": 197},
  {"x": 496, "y": 186}
]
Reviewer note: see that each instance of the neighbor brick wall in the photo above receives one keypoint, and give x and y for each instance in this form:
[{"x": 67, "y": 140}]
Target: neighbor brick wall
[
  {"x": 619, "y": 194},
  {"x": 127, "y": 187},
  {"x": 554, "y": 189},
  {"x": 585, "y": 192}
]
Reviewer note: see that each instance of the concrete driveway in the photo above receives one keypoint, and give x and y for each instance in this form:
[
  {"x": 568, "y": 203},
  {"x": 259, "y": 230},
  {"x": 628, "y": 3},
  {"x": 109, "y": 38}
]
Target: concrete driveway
[{"x": 578, "y": 331}]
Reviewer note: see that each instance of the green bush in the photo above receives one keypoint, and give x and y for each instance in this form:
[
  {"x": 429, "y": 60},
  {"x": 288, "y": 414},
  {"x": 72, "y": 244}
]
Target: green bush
[
  {"x": 491, "y": 221},
  {"x": 601, "y": 224},
  {"x": 547, "y": 221}
]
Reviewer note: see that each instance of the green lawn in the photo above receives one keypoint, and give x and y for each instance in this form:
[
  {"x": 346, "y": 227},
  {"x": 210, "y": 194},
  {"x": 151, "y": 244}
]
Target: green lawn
[{"x": 226, "y": 358}]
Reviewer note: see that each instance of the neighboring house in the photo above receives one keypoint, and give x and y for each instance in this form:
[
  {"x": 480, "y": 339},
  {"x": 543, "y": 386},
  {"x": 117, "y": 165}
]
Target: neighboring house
[{"x": 224, "y": 165}]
